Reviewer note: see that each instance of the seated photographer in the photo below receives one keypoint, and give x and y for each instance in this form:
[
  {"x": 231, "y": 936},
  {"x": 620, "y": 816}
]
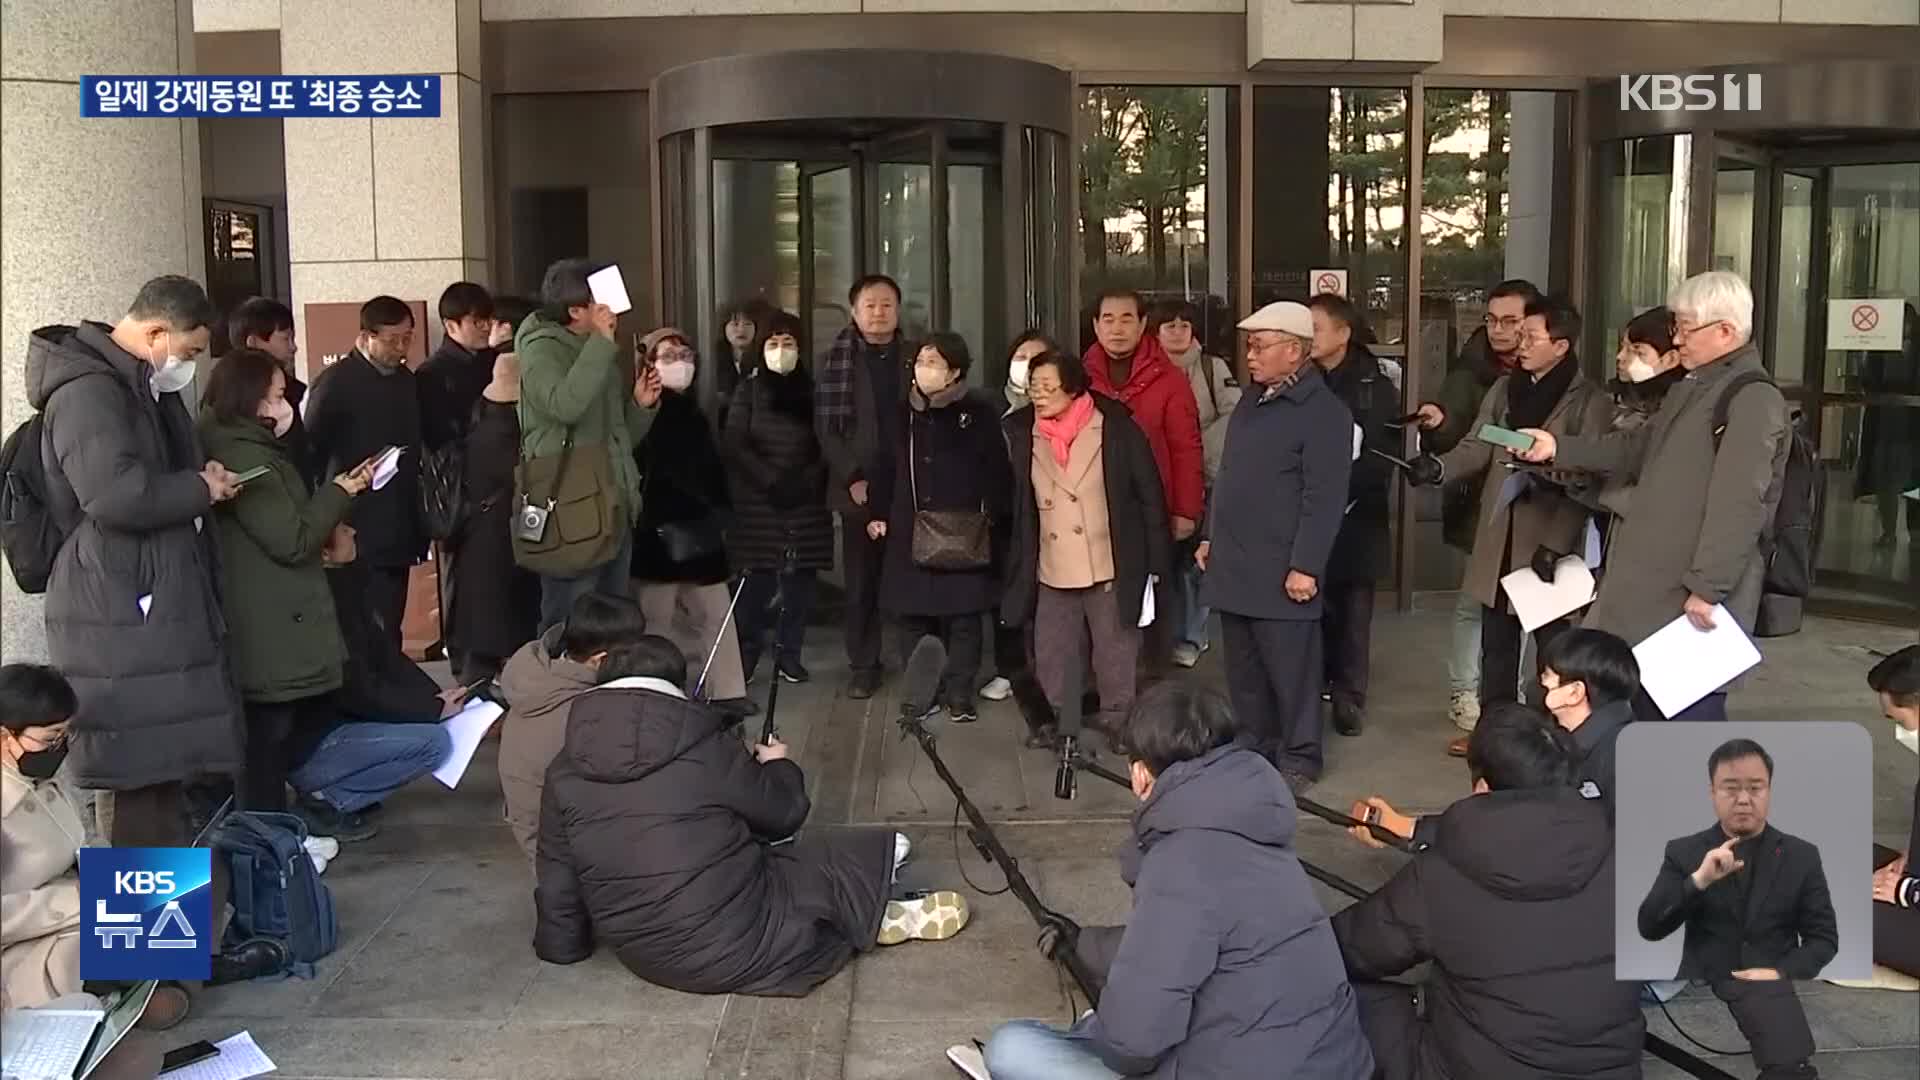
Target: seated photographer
[
  {"x": 664, "y": 837},
  {"x": 1226, "y": 967},
  {"x": 1896, "y": 884},
  {"x": 1513, "y": 906}
]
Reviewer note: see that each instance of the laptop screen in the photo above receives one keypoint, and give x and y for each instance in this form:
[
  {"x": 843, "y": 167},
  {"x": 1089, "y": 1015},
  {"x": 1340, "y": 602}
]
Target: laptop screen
[{"x": 122, "y": 1011}]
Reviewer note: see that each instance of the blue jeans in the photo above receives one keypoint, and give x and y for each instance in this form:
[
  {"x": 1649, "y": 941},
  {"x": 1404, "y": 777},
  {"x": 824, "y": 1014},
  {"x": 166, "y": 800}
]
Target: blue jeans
[
  {"x": 557, "y": 594},
  {"x": 1031, "y": 1050},
  {"x": 1191, "y": 618},
  {"x": 358, "y": 765},
  {"x": 1463, "y": 666}
]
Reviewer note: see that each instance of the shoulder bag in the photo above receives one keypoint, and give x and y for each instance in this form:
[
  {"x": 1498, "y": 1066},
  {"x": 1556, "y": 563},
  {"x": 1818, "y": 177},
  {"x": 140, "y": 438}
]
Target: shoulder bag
[
  {"x": 946, "y": 539},
  {"x": 573, "y": 526}
]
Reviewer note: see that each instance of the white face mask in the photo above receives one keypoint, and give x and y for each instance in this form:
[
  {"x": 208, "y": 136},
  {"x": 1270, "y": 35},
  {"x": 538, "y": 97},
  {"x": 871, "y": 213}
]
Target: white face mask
[
  {"x": 676, "y": 375},
  {"x": 782, "y": 359},
  {"x": 171, "y": 375},
  {"x": 1639, "y": 371},
  {"x": 281, "y": 413},
  {"x": 932, "y": 379},
  {"x": 1017, "y": 374},
  {"x": 1907, "y": 737}
]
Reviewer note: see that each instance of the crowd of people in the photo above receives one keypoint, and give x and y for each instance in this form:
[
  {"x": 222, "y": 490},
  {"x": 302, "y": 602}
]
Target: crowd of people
[{"x": 642, "y": 527}]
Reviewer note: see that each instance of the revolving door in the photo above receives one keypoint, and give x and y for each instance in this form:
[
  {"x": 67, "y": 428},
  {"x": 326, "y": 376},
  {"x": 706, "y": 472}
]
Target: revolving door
[{"x": 785, "y": 177}]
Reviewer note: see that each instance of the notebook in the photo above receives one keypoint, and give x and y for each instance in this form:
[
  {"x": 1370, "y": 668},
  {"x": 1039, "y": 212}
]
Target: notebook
[{"x": 67, "y": 1044}]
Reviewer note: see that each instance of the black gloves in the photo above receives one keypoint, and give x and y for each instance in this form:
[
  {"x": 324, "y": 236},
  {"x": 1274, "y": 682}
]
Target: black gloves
[
  {"x": 1059, "y": 936},
  {"x": 1544, "y": 560},
  {"x": 1425, "y": 471}
]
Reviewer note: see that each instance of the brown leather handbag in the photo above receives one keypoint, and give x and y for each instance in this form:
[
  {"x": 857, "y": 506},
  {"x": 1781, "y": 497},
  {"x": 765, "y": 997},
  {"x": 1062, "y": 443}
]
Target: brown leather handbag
[{"x": 947, "y": 539}]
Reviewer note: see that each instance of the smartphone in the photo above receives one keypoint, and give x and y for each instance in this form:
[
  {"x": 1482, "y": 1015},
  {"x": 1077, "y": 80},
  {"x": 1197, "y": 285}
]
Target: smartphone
[
  {"x": 254, "y": 473},
  {"x": 187, "y": 1055},
  {"x": 1499, "y": 436}
]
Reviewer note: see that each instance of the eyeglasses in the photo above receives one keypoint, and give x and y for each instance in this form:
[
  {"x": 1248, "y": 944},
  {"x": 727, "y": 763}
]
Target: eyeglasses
[
  {"x": 41, "y": 742},
  {"x": 1680, "y": 329},
  {"x": 1509, "y": 322},
  {"x": 671, "y": 356}
]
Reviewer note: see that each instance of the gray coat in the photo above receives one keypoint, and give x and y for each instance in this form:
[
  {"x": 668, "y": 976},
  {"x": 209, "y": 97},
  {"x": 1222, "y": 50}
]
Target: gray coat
[
  {"x": 1697, "y": 514},
  {"x": 1228, "y": 966},
  {"x": 156, "y": 701}
]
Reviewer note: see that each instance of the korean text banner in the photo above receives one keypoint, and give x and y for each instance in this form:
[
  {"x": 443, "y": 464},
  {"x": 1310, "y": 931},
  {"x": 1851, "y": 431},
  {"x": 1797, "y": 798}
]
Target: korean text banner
[{"x": 259, "y": 95}]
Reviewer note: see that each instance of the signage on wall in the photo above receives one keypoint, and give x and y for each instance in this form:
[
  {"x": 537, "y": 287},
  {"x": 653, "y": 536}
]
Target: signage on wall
[
  {"x": 331, "y": 330},
  {"x": 1328, "y": 281},
  {"x": 1690, "y": 93},
  {"x": 1864, "y": 325}
]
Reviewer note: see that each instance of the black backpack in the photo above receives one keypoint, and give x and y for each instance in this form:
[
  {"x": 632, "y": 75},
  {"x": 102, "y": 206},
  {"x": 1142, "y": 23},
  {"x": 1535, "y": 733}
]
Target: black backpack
[
  {"x": 443, "y": 490},
  {"x": 1791, "y": 541},
  {"x": 29, "y": 534}
]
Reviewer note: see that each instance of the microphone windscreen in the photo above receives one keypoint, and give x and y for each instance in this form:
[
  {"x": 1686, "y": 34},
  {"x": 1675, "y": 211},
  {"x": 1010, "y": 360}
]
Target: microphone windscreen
[{"x": 925, "y": 667}]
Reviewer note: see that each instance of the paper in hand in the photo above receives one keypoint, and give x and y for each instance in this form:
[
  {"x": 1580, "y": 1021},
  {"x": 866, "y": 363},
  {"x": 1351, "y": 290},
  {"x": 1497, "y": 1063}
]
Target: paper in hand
[
  {"x": 1146, "y": 603},
  {"x": 1681, "y": 663},
  {"x": 1359, "y": 438},
  {"x": 146, "y": 605},
  {"x": 610, "y": 288},
  {"x": 386, "y": 467},
  {"x": 1592, "y": 545},
  {"x": 466, "y": 728},
  {"x": 1537, "y": 603}
]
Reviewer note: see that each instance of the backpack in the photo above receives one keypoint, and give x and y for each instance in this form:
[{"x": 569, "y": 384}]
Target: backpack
[
  {"x": 1791, "y": 541},
  {"x": 276, "y": 892},
  {"x": 443, "y": 490},
  {"x": 29, "y": 535}
]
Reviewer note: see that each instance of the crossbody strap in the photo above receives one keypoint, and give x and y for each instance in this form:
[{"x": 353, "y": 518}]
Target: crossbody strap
[{"x": 566, "y": 458}]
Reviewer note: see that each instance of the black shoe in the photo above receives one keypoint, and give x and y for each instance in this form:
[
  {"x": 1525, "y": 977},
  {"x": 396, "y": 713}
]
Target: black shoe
[
  {"x": 1348, "y": 719},
  {"x": 323, "y": 820},
  {"x": 792, "y": 670},
  {"x": 436, "y": 651},
  {"x": 863, "y": 684},
  {"x": 962, "y": 712},
  {"x": 1297, "y": 781},
  {"x": 249, "y": 960},
  {"x": 740, "y": 707}
]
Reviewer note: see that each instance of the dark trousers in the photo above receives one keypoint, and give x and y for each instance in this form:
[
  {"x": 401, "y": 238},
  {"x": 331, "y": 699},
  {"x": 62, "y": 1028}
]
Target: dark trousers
[
  {"x": 1013, "y": 659},
  {"x": 1501, "y": 642},
  {"x": 860, "y": 560},
  {"x": 1896, "y": 938},
  {"x": 965, "y": 641},
  {"x": 755, "y": 616},
  {"x": 1274, "y": 673},
  {"x": 387, "y": 598},
  {"x": 1770, "y": 1016},
  {"x": 263, "y": 783},
  {"x": 1712, "y": 708},
  {"x": 159, "y": 815},
  {"x": 1346, "y": 624},
  {"x": 1393, "y": 1028},
  {"x": 1159, "y": 637}
]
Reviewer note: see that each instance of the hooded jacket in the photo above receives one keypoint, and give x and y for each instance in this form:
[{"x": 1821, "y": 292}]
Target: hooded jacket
[
  {"x": 540, "y": 684},
  {"x": 156, "y": 702},
  {"x": 574, "y": 384},
  {"x": 1215, "y": 393},
  {"x": 654, "y": 833},
  {"x": 1227, "y": 966},
  {"x": 1514, "y": 908},
  {"x": 1161, "y": 400},
  {"x": 40, "y": 832}
]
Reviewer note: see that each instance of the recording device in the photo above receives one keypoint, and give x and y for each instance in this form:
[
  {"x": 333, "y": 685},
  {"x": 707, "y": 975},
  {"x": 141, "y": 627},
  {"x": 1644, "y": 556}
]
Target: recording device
[
  {"x": 787, "y": 559},
  {"x": 186, "y": 1055},
  {"x": 254, "y": 473},
  {"x": 1373, "y": 816},
  {"x": 920, "y": 691},
  {"x": 1507, "y": 437},
  {"x": 530, "y": 521}
]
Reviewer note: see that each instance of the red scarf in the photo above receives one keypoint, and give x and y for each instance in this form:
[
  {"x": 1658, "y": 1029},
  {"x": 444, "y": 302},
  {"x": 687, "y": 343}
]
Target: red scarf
[{"x": 1063, "y": 429}]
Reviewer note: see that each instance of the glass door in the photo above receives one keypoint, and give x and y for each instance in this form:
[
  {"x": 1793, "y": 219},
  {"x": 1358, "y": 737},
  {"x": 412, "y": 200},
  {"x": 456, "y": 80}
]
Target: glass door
[{"x": 830, "y": 249}]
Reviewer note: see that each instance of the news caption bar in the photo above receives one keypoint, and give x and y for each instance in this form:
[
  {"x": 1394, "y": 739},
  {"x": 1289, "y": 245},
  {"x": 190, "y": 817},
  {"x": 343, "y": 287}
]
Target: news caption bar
[{"x": 264, "y": 95}]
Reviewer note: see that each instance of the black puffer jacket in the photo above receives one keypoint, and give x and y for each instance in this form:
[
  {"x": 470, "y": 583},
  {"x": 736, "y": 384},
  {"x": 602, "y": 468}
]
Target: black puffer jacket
[
  {"x": 654, "y": 832},
  {"x": 156, "y": 701},
  {"x": 1514, "y": 906},
  {"x": 683, "y": 484},
  {"x": 776, "y": 474}
]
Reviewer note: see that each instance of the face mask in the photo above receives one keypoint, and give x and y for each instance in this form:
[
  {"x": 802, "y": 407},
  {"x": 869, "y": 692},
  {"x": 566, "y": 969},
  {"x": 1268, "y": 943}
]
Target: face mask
[
  {"x": 931, "y": 380},
  {"x": 1639, "y": 371},
  {"x": 1564, "y": 701},
  {"x": 42, "y": 764},
  {"x": 1017, "y": 374},
  {"x": 782, "y": 359},
  {"x": 1907, "y": 737},
  {"x": 172, "y": 375},
  {"x": 280, "y": 416},
  {"x": 676, "y": 375}
]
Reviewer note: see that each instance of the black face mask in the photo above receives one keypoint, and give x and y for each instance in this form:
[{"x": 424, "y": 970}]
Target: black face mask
[{"x": 42, "y": 764}]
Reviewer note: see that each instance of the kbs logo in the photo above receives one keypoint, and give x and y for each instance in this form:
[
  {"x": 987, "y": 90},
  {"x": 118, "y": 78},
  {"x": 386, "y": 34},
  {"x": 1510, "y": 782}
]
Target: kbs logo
[
  {"x": 146, "y": 913},
  {"x": 1690, "y": 93}
]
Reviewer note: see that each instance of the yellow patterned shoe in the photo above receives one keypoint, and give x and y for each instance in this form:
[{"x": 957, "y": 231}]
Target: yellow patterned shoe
[{"x": 936, "y": 916}]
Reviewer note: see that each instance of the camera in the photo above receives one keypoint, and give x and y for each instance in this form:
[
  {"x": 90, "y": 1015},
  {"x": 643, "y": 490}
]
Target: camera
[{"x": 530, "y": 521}]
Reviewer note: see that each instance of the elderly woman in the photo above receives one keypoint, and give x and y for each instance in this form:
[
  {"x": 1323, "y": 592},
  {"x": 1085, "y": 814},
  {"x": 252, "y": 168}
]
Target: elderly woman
[
  {"x": 285, "y": 646},
  {"x": 947, "y": 458},
  {"x": 680, "y": 570},
  {"x": 1089, "y": 530}
]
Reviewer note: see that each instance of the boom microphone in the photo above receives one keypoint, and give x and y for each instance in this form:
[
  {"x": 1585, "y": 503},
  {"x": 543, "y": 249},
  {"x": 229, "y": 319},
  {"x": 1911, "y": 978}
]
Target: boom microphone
[{"x": 921, "y": 690}]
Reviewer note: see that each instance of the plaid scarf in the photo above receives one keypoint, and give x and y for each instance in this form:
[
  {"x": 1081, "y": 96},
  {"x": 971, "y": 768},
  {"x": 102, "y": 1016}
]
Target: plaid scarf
[
  {"x": 833, "y": 400},
  {"x": 1285, "y": 384}
]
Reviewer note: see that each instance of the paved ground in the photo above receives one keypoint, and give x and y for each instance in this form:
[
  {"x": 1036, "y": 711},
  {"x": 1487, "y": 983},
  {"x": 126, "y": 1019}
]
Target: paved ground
[{"x": 435, "y": 977}]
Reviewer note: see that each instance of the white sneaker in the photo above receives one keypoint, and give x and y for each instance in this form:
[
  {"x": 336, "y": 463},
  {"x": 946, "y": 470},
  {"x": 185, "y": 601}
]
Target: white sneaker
[
  {"x": 997, "y": 690},
  {"x": 902, "y": 847},
  {"x": 325, "y": 847},
  {"x": 969, "y": 1060},
  {"x": 1464, "y": 709},
  {"x": 1186, "y": 655}
]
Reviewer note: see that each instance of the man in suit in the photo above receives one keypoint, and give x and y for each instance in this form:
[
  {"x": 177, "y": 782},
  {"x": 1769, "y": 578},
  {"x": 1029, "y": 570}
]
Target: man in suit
[{"x": 1755, "y": 905}]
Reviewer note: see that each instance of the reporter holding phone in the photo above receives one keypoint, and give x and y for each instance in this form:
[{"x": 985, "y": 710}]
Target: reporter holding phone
[
  {"x": 283, "y": 638},
  {"x": 1546, "y": 391}
]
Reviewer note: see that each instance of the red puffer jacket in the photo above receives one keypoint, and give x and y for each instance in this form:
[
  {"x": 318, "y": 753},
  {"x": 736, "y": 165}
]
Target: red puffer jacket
[{"x": 1162, "y": 403}]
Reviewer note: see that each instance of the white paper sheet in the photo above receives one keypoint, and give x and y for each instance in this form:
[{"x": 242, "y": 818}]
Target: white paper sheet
[
  {"x": 146, "y": 605},
  {"x": 239, "y": 1058},
  {"x": 387, "y": 467},
  {"x": 466, "y": 727},
  {"x": 1538, "y": 603},
  {"x": 1680, "y": 664},
  {"x": 1358, "y": 438},
  {"x": 610, "y": 288},
  {"x": 1914, "y": 494},
  {"x": 1146, "y": 602},
  {"x": 1592, "y": 545}
]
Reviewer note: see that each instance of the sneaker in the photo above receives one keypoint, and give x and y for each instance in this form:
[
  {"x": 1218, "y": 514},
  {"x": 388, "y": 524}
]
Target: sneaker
[
  {"x": 962, "y": 712},
  {"x": 322, "y": 850},
  {"x": 862, "y": 685},
  {"x": 791, "y": 670},
  {"x": 902, "y": 848},
  {"x": 935, "y": 916},
  {"x": 323, "y": 820},
  {"x": 969, "y": 1060},
  {"x": 1297, "y": 781},
  {"x": 997, "y": 689},
  {"x": 1464, "y": 710},
  {"x": 1457, "y": 747},
  {"x": 1186, "y": 655}
]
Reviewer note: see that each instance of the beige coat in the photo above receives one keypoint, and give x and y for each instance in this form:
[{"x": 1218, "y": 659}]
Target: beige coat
[
  {"x": 1076, "y": 530},
  {"x": 540, "y": 690},
  {"x": 40, "y": 836},
  {"x": 1217, "y": 392},
  {"x": 1543, "y": 517}
]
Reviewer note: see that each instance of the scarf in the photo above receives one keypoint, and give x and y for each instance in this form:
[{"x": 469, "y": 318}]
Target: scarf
[
  {"x": 833, "y": 399},
  {"x": 1530, "y": 401},
  {"x": 1063, "y": 429},
  {"x": 920, "y": 402}
]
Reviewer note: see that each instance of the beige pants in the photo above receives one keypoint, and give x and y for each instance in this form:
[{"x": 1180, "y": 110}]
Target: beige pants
[
  {"x": 37, "y": 970},
  {"x": 690, "y": 617}
]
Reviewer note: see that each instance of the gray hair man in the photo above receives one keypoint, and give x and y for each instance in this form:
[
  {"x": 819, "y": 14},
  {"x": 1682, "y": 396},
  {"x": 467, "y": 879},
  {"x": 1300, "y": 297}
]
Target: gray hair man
[{"x": 1706, "y": 494}]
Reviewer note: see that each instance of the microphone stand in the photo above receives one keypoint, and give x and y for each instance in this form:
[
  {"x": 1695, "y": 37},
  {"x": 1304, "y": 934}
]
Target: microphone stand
[{"x": 785, "y": 573}]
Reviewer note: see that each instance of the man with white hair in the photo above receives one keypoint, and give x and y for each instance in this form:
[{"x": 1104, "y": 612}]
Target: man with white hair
[
  {"x": 1705, "y": 493},
  {"x": 1277, "y": 504}
]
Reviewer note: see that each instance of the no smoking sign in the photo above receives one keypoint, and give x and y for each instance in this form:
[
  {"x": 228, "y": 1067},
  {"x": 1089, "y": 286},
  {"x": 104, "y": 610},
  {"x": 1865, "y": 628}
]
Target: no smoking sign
[
  {"x": 1328, "y": 281},
  {"x": 1863, "y": 325}
]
